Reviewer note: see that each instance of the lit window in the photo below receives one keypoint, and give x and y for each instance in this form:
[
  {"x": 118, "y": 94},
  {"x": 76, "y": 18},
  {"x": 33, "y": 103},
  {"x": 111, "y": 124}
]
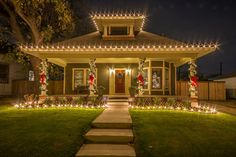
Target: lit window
[
  {"x": 156, "y": 78},
  {"x": 80, "y": 77},
  {"x": 31, "y": 75}
]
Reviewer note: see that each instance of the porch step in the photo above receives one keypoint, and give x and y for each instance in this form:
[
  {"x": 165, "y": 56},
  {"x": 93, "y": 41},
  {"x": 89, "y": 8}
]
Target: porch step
[
  {"x": 110, "y": 135},
  {"x": 117, "y": 100},
  {"x": 117, "y": 104},
  {"x": 106, "y": 150}
]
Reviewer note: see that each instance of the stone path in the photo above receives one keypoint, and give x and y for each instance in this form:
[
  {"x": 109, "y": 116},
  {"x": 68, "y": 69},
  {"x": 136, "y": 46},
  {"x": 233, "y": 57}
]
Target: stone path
[{"x": 111, "y": 135}]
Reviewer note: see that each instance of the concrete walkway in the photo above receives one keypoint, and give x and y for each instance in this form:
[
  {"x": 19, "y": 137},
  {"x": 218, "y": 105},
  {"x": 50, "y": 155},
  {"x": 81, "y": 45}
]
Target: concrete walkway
[{"x": 111, "y": 135}]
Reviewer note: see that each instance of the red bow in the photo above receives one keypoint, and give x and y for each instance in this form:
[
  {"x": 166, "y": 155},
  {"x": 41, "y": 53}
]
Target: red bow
[
  {"x": 140, "y": 79},
  {"x": 43, "y": 78},
  {"x": 194, "y": 81},
  {"x": 91, "y": 78}
]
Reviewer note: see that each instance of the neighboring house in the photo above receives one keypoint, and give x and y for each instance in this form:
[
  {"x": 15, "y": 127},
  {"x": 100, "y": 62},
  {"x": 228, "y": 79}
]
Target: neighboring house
[
  {"x": 230, "y": 84},
  {"x": 119, "y": 45},
  {"x": 9, "y": 71}
]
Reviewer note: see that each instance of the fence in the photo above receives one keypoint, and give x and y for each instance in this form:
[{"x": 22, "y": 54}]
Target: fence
[
  {"x": 207, "y": 90},
  {"x": 22, "y": 87}
]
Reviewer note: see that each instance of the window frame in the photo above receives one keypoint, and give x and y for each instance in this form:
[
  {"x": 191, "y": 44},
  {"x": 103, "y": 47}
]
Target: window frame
[{"x": 85, "y": 76}]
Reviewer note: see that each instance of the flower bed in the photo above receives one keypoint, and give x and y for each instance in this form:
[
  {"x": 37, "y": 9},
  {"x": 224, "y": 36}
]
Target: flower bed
[
  {"x": 63, "y": 102},
  {"x": 168, "y": 103}
]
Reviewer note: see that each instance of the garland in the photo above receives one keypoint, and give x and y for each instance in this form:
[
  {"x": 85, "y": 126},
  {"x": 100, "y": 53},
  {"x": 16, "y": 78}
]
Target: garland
[
  {"x": 193, "y": 79},
  {"x": 92, "y": 76},
  {"x": 43, "y": 77},
  {"x": 140, "y": 78}
]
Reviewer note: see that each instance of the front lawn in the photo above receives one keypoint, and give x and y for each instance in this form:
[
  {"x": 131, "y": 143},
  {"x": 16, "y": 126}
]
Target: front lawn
[
  {"x": 178, "y": 133},
  {"x": 43, "y": 132}
]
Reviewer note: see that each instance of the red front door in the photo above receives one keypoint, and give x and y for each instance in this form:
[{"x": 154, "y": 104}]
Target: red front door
[{"x": 120, "y": 81}]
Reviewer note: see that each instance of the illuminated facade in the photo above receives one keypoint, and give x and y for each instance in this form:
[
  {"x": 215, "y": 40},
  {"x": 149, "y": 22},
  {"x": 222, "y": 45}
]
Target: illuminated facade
[{"x": 118, "y": 48}]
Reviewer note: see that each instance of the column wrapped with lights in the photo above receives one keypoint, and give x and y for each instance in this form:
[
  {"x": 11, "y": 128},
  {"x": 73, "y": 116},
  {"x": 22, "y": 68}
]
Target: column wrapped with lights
[
  {"x": 140, "y": 79},
  {"x": 92, "y": 76},
  {"x": 193, "y": 83},
  {"x": 43, "y": 67}
]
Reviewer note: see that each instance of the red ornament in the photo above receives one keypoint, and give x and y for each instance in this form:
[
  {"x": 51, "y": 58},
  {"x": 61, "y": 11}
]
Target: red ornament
[
  {"x": 140, "y": 79},
  {"x": 43, "y": 79},
  {"x": 194, "y": 81}
]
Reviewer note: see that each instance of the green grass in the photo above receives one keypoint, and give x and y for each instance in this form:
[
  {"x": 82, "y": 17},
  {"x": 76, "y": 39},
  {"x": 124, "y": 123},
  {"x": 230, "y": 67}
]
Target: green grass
[
  {"x": 183, "y": 134},
  {"x": 44, "y": 132}
]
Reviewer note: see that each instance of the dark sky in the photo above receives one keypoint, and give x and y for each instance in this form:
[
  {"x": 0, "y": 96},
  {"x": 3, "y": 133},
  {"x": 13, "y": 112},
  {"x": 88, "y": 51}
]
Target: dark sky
[{"x": 190, "y": 21}]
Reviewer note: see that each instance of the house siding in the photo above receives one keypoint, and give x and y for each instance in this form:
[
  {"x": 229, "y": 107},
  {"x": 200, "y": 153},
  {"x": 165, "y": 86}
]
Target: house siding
[
  {"x": 16, "y": 72},
  {"x": 102, "y": 74}
]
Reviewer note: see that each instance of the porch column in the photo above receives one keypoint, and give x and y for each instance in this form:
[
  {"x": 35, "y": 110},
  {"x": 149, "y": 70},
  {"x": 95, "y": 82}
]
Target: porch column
[
  {"x": 43, "y": 69},
  {"x": 140, "y": 76},
  {"x": 193, "y": 83},
  {"x": 92, "y": 76}
]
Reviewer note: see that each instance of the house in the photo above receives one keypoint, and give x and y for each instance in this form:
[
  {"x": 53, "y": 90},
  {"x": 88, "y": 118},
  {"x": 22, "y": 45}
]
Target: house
[
  {"x": 230, "y": 84},
  {"x": 118, "y": 55},
  {"x": 9, "y": 71}
]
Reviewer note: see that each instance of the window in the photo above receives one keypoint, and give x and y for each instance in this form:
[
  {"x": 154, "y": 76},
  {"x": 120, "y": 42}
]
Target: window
[
  {"x": 119, "y": 31},
  {"x": 80, "y": 77},
  {"x": 156, "y": 78},
  {"x": 31, "y": 75},
  {"x": 145, "y": 77},
  {"x": 166, "y": 78},
  {"x": 4, "y": 73}
]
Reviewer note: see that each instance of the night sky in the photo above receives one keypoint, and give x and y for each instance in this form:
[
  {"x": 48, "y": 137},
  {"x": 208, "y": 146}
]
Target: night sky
[{"x": 190, "y": 21}]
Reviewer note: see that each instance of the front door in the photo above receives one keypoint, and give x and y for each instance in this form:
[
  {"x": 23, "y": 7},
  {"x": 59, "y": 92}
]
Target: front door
[{"x": 120, "y": 81}]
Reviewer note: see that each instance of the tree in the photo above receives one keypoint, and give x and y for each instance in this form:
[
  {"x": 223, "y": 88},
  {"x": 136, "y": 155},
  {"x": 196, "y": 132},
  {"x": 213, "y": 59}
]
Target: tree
[{"x": 36, "y": 22}]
